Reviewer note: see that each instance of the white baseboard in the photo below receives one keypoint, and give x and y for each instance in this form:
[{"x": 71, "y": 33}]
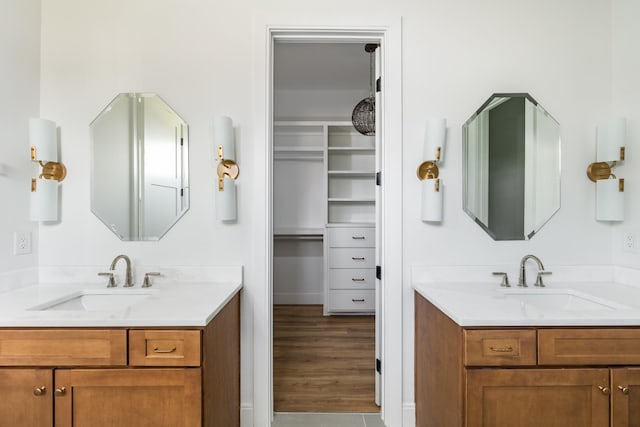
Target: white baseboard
[
  {"x": 246, "y": 415},
  {"x": 408, "y": 414},
  {"x": 298, "y": 298}
]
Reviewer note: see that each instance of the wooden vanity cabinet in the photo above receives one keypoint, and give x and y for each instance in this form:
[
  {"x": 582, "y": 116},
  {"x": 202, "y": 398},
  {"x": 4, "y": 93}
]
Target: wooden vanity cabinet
[
  {"x": 26, "y": 397},
  {"x": 523, "y": 377},
  {"x": 182, "y": 377}
]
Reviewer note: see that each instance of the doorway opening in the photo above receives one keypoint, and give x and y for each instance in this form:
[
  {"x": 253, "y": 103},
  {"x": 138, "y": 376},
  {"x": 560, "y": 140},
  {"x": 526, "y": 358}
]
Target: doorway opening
[{"x": 325, "y": 228}]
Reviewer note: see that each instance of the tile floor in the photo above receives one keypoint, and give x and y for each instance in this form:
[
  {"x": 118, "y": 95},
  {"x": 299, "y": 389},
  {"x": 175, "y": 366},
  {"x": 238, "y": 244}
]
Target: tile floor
[{"x": 326, "y": 420}]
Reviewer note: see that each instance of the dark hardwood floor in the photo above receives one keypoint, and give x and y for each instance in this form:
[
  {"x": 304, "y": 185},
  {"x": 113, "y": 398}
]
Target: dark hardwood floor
[{"x": 322, "y": 363}]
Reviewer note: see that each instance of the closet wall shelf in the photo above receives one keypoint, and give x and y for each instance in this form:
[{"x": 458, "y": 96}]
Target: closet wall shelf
[
  {"x": 352, "y": 173},
  {"x": 298, "y": 233},
  {"x": 352, "y": 149},
  {"x": 351, "y": 200}
]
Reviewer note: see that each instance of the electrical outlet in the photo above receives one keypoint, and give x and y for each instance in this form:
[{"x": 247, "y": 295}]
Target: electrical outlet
[
  {"x": 629, "y": 243},
  {"x": 21, "y": 242}
]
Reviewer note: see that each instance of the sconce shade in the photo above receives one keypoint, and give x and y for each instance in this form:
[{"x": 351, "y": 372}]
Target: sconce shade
[
  {"x": 611, "y": 140},
  {"x": 434, "y": 139},
  {"x": 610, "y": 200},
  {"x": 223, "y": 137},
  {"x": 226, "y": 201},
  {"x": 432, "y": 200},
  {"x": 44, "y": 200},
  {"x": 43, "y": 140}
]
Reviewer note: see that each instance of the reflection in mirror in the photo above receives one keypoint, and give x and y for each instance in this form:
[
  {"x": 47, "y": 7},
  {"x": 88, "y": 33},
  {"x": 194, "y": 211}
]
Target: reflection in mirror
[
  {"x": 511, "y": 166},
  {"x": 139, "y": 166}
]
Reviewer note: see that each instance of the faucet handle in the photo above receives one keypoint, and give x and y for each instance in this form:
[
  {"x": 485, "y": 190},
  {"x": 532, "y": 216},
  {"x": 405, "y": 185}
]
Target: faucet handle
[
  {"x": 505, "y": 278},
  {"x": 539, "y": 283},
  {"x": 112, "y": 282},
  {"x": 146, "y": 283}
]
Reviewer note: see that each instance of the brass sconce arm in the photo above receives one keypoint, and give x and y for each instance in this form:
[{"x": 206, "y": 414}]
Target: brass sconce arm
[{"x": 226, "y": 167}]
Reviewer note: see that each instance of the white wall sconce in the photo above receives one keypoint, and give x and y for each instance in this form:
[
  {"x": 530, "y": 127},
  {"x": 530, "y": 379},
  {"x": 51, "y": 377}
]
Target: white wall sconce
[
  {"x": 44, "y": 189},
  {"x": 428, "y": 172},
  {"x": 610, "y": 149},
  {"x": 227, "y": 170}
]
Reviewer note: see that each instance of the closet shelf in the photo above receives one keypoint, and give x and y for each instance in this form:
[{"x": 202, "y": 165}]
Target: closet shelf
[
  {"x": 352, "y": 173},
  {"x": 293, "y": 231},
  {"x": 352, "y": 149},
  {"x": 351, "y": 200}
]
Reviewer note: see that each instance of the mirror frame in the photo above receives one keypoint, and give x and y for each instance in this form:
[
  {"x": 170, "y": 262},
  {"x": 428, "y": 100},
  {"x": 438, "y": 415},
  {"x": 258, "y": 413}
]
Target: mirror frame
[
  {"x": 139, "y": 168},
  {"x": 540, "y": 181}
]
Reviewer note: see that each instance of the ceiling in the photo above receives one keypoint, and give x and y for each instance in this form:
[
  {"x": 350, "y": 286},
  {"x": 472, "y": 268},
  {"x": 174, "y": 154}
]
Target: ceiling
[{"x": 321, "y": 66}]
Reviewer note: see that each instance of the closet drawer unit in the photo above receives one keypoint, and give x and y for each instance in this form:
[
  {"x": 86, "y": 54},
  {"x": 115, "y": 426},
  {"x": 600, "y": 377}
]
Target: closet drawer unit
[
  {"x": 352, "y": 258},
  {"x": 352, "y": 237},
  {"x": 351, "y": 300},
  {"x": 164, "y": 348},
  {"x": 352, "y": 278}
]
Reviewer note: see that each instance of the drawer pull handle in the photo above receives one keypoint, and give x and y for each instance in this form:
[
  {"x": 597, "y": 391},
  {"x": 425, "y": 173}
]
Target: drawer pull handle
[
  {"x": 60, "y": 391},
  {"x": 357, "y": 258},
  {"x": 501, "y": 349},
  {"x": 357, "y": 280},
  {"x": 357, "y": 237},
  {"x": 604, "y": 390},
  {"x": 39, "y": 391},
  {"x": 624, "y": 390},
  {"x": 357, "y": 300},
  {"x": 166, "y": 350}
]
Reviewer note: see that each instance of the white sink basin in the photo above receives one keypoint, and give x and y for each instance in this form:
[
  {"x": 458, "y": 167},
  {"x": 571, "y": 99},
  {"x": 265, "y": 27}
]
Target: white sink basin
[
  {"x": 96, "y": 300},
  {"x": 560, "y": 300}
]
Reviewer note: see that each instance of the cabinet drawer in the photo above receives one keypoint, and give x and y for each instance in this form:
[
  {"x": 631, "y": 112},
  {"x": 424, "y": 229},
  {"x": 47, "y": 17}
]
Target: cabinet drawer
[
  {"x": 499, "y": 347},
  {"x": 352, "y": 237},
  {"x": 352, "y": 258},
  {"x": 352, "y": 278},
  {"x": 58, "y": 347},
  {"x": 164, "y": 348},
  {"x": 351, "y": 301},
  {"x": 589, "y": 347}
]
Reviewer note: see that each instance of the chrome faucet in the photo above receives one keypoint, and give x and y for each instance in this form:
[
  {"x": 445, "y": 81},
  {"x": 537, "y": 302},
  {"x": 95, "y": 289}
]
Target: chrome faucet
[
  {"x": 522, "y": 280},
  {"x": 128, "y": 282}
]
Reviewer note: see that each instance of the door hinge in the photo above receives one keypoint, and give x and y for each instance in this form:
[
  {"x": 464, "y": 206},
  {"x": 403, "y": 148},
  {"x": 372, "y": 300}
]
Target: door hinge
[
  {"x": 378, "y": 272},
  {"x": 378, "y": 178},
  {"x": 379, "y": 366},
  {"x": 379, "y": 84}
]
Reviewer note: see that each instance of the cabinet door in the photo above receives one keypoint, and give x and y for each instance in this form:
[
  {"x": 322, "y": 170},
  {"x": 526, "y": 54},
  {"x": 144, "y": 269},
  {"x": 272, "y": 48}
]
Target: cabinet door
[
  {"x": 128, "y": 397},
  {"x": 537, "y": 397},
  {"x": 625, "y": 384},
  {"x": 26, "y": 397}
]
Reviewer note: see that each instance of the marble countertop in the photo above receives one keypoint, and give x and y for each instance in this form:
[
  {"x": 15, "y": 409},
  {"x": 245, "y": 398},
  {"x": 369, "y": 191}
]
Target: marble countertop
[
  {"x": 165, "y": 305},
  {"x": 578, "y": 304}
]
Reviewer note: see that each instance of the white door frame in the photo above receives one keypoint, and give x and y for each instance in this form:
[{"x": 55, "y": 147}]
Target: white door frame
[{"x": 389, "y": 35}]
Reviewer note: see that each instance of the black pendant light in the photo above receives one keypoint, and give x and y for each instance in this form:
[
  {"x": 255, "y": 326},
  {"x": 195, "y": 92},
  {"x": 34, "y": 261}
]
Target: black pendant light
[{"x": 364, "y": 113}]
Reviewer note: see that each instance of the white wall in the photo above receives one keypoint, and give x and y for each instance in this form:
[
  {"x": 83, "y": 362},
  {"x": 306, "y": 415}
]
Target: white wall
[
  {"x": 626, "y": 103},
  {"x": 198, "y": 57},
  {"x": 19, "y": 100}
]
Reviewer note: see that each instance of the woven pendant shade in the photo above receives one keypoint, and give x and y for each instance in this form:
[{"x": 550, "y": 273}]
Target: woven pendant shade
[
  {"x": 364, "y": 116},
  {"x": 364, "y": 113}
]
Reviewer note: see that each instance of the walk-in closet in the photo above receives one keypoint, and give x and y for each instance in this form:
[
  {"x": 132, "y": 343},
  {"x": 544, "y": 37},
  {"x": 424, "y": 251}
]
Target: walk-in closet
[{"x": 324, "y": 229}]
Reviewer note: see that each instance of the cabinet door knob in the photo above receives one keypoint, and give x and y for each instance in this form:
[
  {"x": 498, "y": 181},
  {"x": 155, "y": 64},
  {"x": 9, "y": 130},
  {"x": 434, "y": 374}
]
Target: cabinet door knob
[
  {"x": 60, "y": 391},
  {"x": 624, "y": 390},
  {"x": 604, "y": 390},
  {"x": 39, "y": 391},
  {"x": 357, "y": 258},
  {"x": 357, "y": 237}
]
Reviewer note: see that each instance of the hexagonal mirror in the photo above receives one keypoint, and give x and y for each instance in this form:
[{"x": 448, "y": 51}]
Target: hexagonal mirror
[
  {"x": 511, "y": 166},
  {"x": 139, "y": 166}
]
